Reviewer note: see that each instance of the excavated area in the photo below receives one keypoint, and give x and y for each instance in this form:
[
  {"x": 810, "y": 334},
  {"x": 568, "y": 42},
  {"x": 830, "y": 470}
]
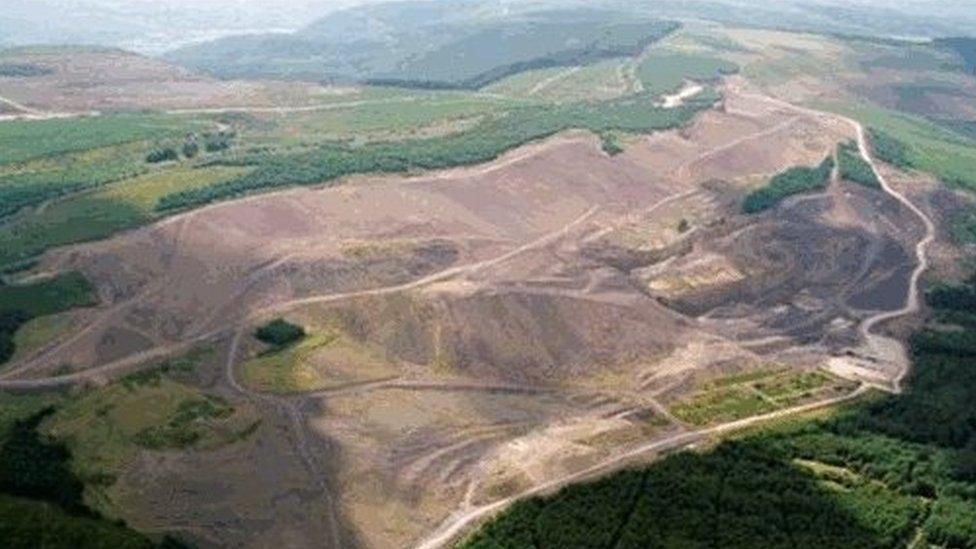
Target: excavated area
[{"x": 483, "y": 330}]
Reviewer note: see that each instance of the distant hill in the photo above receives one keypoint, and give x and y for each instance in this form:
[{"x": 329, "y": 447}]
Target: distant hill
[
  {"x": 965, "y": 48},
  {"x": 422, "y": 44}
]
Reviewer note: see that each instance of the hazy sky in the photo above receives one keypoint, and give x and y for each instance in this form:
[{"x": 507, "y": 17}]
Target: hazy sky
[
  {"x": 155, "y": 26},
  {"x": 152, "y": 25}
]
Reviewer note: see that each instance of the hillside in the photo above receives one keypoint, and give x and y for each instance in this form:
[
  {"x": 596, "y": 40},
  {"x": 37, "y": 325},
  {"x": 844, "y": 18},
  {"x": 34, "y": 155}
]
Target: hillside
[{"x": 419, "y": 45}]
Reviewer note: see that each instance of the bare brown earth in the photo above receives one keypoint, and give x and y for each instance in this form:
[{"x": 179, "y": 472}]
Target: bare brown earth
[
  {"x": 500, "y": 326},
  {"x": 87, "y": 80}
]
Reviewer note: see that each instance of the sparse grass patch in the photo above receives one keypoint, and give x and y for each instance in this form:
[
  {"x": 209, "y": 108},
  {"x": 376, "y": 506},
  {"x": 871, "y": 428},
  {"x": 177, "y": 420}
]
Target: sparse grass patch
[
  {"x": 106, "y": 428},
  {"x": 754, "y": 392},
  {"x": 719, "y": 405},
  {"x": 38, "y": 332},
  {"x": 324, "y": 358}
]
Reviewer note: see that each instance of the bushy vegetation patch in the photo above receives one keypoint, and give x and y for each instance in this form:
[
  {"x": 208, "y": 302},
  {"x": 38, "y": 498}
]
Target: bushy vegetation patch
[
  {"x": 793, "y": 181},
  {"x": 855, "y": 169},
  {"x": 482, "y": 143},
  {"x": 162, "y": 154},
  {"x": 893, "y": 471},
  {"x": 279, "y": 333},
  {"x": 889, "y": 149},
  {"x": 610, "y": 143},
  {"x": 182, "y": 429}
]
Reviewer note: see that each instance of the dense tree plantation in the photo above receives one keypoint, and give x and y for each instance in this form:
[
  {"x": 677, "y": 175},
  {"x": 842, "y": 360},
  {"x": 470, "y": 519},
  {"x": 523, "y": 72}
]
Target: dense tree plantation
[
  {"x": 884, "y": 473},
  {"x": 792, "y": 181},
  {"x": 482, "y": 143}
]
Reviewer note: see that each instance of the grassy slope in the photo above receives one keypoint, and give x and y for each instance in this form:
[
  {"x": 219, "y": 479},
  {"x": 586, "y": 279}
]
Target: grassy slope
[
  {"x": 482, "y": 143},
  {"x": 932, "y": 149},
  {"x": 25, "y": 140},
  {"x": 101, "y": 431},
  {"x": 94, "y": 215},
  {"x": 665, "y": 72}
]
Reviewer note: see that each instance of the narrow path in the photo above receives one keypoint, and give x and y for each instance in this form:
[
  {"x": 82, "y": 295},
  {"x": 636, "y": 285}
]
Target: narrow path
[
  {"x": 561, "y": 75},
  {"x": 32, "y": 114}
]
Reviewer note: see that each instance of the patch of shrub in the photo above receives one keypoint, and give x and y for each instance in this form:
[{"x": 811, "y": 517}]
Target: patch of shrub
[
  {"x": 853, "y": 168},
  {"x": 162, "y": 154},
  {"x": 610, "y": 143},
  {"x": 279, "y": 333},
  {"x": 191, "y": 148},
  {"x": 890, "y": 149},
  {"x": 181, "y": 431},
  {"x": 216, "y": 142},
  {"x": 793, "y": 181}
]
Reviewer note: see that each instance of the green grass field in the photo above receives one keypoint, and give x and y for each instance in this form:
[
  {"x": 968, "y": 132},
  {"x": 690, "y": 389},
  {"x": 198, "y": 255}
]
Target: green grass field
[
  {"x": 26, "y": 140},
  {"x": 665, "y": 72},
  {"x": 928, "y": 147},
  {"x": 597, "y": 82},
  {"x": 102, "y": 212}
]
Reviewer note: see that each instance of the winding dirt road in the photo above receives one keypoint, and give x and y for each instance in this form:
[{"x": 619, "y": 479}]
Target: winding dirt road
[{"x": 883, "y": 346}]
